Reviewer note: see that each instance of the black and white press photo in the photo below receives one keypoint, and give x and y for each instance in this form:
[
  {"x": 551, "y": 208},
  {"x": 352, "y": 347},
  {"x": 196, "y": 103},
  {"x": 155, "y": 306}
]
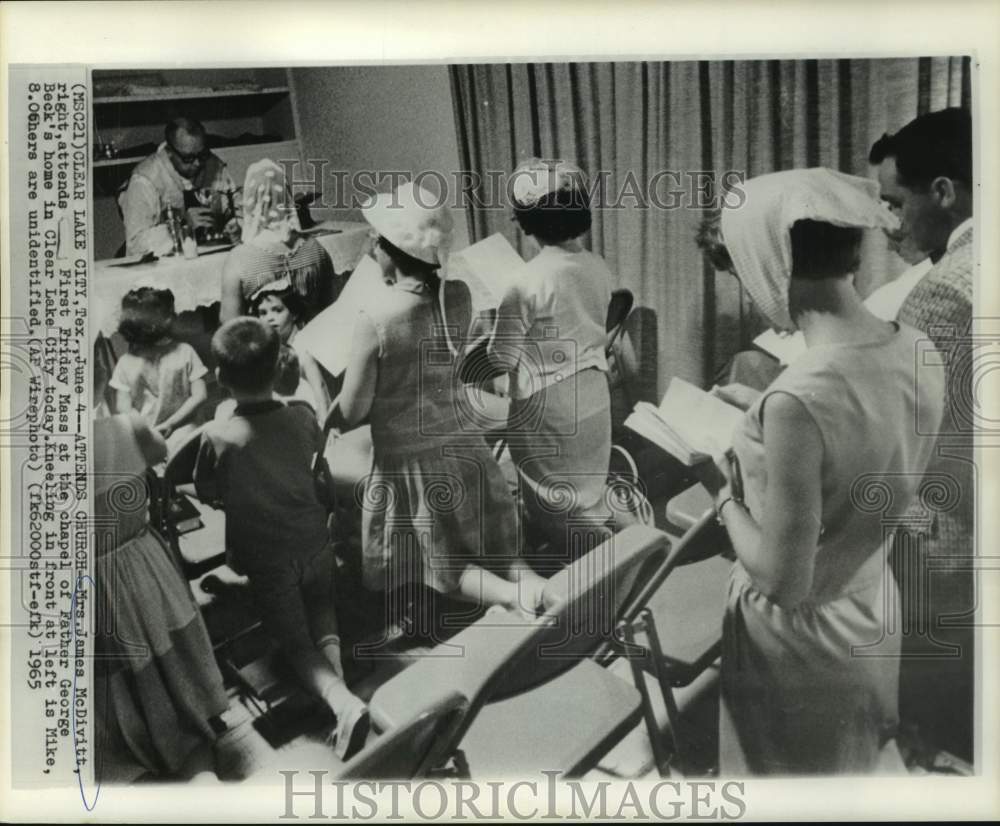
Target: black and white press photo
[{"x": 518, "y": 436}]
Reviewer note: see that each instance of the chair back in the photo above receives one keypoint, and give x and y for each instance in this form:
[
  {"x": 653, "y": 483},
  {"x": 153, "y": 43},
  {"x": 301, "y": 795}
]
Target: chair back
[
  {"x": 179, "y": 470},
  {"x": 503, "y": 653},
  {"x": 414, "y": 748},
  {"x": 618, "y": 309},
  {"x": 689, "y": 548},
  {"x": 582, "y": 604}
]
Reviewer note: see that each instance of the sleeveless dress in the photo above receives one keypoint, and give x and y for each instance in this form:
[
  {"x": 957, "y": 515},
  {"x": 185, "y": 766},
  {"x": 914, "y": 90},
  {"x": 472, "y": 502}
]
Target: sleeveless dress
[
  {"x": 813, "y": 689},
  {"x": 435, "y": 499},
  {"x": 157, "y": 682}
]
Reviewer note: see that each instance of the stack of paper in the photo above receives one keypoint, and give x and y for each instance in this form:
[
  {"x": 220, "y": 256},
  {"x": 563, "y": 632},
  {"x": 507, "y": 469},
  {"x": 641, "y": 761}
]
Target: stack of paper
[
  {"x": 328, "y": 337},
  {"x": 689, "y": 424},
  {"x": 487, "y": 268}
]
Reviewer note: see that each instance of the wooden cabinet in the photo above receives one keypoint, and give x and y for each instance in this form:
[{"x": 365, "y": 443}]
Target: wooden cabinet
[{"x": 248, "y": 113}]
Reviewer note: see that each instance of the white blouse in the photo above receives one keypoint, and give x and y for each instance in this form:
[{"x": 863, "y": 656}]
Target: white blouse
[{"x": 551, "y": 322}]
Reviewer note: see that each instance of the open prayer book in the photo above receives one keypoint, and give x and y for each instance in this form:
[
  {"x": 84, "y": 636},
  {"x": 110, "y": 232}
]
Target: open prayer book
[
  {"x": 487, "y": 268},
  {"x": 328, "y": 337},
  {"x": 689, "y": 424}
]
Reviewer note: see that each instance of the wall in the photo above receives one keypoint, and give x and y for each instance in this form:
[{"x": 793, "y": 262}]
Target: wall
[{"x": 377, "y": 118}]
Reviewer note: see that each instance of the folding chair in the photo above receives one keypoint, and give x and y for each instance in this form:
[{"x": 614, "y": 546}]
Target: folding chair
[
  {"x": 520, "y": 676},
  {"x": 419, "y": 747},
  {"x": 618, "y": 309},
  {"x": 204, "y": 549},
  {"x": 414, "y": 749},
  {"x": 678, "y": 612}
]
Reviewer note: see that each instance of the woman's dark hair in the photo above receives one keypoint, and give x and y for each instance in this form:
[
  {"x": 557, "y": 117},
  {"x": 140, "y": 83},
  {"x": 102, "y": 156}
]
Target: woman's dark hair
[
  {"x": 408, "y": 265},
  {"x": 294, "y": 302},
  {"x": 822, "y": 250},
  {"x": 147, "y": 316},
  {"x": 556, "y": 217},
  {"x": 819, "y": 251},
  {"x": 709, "y": 241}
]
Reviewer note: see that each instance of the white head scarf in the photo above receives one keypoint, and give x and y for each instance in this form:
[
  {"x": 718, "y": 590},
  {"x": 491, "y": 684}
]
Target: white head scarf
[
  {"x": 268, "y": 209},
  {"x": 756, "y": 233}
]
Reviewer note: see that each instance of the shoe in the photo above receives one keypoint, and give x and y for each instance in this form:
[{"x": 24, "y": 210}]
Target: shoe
[{"x": 351, "y": 733}]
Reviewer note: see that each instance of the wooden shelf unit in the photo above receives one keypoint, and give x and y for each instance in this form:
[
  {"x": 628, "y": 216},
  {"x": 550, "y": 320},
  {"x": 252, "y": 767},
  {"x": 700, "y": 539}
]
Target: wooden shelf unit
[{"x": 268, "y": 107}]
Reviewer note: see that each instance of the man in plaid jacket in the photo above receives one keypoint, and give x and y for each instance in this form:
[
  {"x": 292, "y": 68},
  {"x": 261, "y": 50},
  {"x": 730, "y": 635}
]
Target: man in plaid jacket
[{"x": 925, "y": 171}]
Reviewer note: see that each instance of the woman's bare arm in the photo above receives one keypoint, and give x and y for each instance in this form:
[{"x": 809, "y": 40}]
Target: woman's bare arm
[
  {"x": 231, "y": 300},
  {"x": 358, "y": 391},
  {"x": 779, "y": 552}
]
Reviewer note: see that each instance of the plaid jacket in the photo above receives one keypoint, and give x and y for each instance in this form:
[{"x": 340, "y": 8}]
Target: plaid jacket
[{"x": 941, "y": 306}]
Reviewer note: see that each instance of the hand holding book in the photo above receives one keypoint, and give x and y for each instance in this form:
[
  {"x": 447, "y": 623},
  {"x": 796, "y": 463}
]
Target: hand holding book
[
  {"x": 720, "y": 476},
  {"x": 689, "y": 423},
  {"x": 736, "y": 394}
]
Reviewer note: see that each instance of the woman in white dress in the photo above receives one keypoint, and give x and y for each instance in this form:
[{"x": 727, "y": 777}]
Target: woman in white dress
[
  {"x": 829, "y": 452},
  {"x": 550, "y": 338}
]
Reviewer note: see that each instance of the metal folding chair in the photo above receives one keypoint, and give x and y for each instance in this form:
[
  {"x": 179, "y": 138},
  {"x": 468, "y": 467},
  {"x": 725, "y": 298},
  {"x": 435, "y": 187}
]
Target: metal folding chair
[
  {"x": 535, "y": 699},
  {"x": 618, "y": 310},
  {"x": 672, "y": 630},
  {"x": 417, "y": 748},
  {"x": 195, "y": 554}
]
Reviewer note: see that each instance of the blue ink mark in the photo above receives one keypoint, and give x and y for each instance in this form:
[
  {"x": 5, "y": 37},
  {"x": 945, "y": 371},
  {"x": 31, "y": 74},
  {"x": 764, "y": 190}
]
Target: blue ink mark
[{"x": 76, "y": 755}]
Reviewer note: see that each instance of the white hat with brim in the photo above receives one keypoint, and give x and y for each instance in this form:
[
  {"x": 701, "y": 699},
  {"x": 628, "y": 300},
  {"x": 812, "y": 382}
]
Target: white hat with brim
[{"x": 412, "y": 220}]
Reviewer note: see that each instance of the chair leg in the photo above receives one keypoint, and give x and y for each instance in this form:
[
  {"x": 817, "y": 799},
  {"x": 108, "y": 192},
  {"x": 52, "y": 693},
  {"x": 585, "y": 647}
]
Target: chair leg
[
  {"x": 647, "y": 625},
  {"x": 626, "y": 636}
]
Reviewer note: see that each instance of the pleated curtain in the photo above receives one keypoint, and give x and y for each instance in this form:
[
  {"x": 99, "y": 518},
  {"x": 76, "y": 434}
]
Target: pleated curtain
[{"x": 684, "y": 125}]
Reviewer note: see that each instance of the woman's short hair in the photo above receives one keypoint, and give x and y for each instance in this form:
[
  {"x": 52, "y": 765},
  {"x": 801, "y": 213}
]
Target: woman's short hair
[
  {"x": 147, "y": 316},
  {"x": 556, "y": 216},
  {"x": 406, "y": 263},
  {"x": 822, "y": 250},
  {"x": 819, "y": 249}
]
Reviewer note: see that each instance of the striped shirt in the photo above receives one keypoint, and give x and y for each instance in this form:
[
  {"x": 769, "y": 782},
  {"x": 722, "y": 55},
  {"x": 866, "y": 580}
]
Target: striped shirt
[{"x": 306, "y": 265}]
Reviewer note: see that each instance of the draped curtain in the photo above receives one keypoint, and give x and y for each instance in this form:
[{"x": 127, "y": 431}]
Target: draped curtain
[{"x": 683, "y": 125}]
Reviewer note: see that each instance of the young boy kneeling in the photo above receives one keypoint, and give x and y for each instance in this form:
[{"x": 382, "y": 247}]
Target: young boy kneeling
[{"x": 258, "y": 463}]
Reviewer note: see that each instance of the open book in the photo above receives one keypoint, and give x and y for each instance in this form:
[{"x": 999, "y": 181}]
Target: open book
[
  {"x": 487, "y": 268},
  {"x": 785, "y": 347},
  {"x": 328, "y": 337},
  {"x": 689, "y": 424}
]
